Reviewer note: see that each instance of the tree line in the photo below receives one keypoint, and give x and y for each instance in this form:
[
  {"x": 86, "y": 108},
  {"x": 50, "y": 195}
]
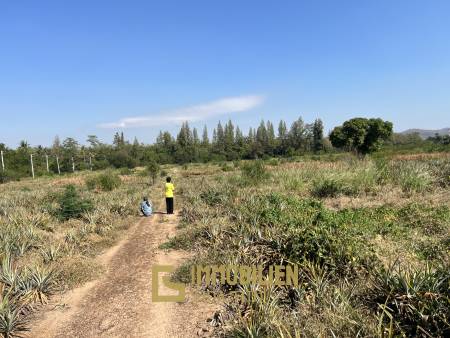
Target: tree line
[{"x": 227, "y": 142}]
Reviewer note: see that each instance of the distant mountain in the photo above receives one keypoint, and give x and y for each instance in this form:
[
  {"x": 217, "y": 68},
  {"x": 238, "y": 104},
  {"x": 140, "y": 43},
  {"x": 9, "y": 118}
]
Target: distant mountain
[{"x": 425, "y": 133}]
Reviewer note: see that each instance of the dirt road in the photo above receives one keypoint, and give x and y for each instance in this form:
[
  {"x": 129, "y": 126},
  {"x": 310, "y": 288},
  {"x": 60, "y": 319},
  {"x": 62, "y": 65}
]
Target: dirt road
[{"x": 119, "y": 303}]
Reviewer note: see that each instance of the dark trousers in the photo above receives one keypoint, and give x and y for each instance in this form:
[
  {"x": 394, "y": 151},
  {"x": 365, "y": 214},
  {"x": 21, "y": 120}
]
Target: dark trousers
[{"x": 169, "y": 205}]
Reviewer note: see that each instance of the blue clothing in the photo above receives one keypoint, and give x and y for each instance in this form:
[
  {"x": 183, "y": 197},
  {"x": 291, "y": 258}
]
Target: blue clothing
[{"x": 146, "y": 208}]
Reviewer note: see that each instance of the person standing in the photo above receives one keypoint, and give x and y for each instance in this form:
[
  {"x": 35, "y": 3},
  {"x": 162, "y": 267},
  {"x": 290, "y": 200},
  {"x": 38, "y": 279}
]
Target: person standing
[{"x": 169, "y": 195}]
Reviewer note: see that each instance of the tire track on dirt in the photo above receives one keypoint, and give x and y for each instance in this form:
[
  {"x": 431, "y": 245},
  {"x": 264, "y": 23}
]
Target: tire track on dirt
[{"x": 119, "y": 303}]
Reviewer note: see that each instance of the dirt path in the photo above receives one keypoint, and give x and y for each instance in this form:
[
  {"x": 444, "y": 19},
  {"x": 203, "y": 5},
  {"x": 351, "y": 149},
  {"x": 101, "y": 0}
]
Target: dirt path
[{"x": 119, "y": 304}]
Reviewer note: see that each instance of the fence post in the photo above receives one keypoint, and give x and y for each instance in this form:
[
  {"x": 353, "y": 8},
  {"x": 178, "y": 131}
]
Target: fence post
[
  {"x": 73, "y": 165},
  {"x": 32, "y": 167},
  {"x": 3, "y": 163},
  {"x": 57, "y": 164},
  {"x": 46, "y": 159}
]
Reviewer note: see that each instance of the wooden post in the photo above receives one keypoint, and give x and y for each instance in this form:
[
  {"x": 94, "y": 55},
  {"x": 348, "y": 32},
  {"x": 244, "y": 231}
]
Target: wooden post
[
  {"x": 90, "y": 162},
  {"x": 46, "y": 159},
  {"x": 32, "y": 167},
  {"x": 3, "y": 163},
  {"x": 57, "y": 164},
  {"x": 73, "y": 165}
]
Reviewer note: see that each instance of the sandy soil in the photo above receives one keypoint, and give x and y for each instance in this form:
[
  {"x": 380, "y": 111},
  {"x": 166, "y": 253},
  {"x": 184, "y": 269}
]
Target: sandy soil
[{"x": 119, "y": 304}]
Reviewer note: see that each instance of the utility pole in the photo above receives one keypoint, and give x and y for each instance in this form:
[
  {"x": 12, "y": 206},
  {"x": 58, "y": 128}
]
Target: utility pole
[
  {"x": 73, "y": 165},
  {"x": 3, "y": 163},
  {"x": 46, "y": 159},
  {"x": 57, "y": 164},
  {"x": 32, "y": 167}
]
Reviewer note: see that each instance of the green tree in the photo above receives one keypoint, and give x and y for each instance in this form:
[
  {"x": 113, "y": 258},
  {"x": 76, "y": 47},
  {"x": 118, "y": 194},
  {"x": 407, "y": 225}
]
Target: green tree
[
  {"x": 119, "y": 140},
  {"x": 220, "y": 137},
  {"x": 93, "y": 141},
  {"x": 205, "y": 138},
  {"x": 297, "y": 134},
  {"x": 270, "y": 138},
  {"x": 361, "y": 135},
  {"x": 282, "y": 138},
  {"x": 153, "y": 169},
  {"x": 70, "y": 146},
  {"x": 229, "y": 136},
  {"x": 185, "y": 145},
  {"x": 317, "y": 135},
  {"x": 262, "y": 140}
]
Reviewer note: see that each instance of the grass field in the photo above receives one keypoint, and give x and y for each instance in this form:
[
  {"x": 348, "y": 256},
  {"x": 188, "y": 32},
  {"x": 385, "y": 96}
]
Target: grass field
[
  {"x": 51, "y": 228},
  {"x": 371, "y": 237}
]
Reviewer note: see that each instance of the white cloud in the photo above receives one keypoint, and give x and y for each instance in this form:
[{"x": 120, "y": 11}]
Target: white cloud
[{"x": 191, "y": 114}]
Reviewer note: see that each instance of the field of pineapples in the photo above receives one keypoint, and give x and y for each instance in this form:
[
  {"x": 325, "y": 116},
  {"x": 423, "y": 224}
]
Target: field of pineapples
[
  {"x": 51, "y": 229},
  {"x": 371, "y": 237}
]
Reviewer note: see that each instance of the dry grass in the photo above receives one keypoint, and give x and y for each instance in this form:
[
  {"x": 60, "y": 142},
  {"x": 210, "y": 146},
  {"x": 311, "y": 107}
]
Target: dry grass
[
  {"x": 34, "y": 237},
  {"x": 377, "y": 211}
]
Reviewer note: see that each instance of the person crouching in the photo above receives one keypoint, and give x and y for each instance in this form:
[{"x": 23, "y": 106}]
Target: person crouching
[{"x": 146, "y": 207}]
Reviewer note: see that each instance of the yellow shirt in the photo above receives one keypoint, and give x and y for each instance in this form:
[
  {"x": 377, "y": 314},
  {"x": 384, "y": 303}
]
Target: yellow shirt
[{"x": 169, "y": 189}]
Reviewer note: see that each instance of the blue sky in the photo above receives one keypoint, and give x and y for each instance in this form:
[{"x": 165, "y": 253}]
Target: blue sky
[{"x": 74, "y": 68}]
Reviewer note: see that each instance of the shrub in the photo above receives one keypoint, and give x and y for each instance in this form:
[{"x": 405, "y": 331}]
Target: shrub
[
  {"x": 8, "y": 175},
  {"x": 107, "y": 181},
  {"x": 441, "y": 171},
  {"x": 125, "y": 171},
  {"x": 100, "y": 164},
  {"x": 71, "y": 205},
  {"x": 330, "y": 187},
  {"x": 225, "y": 167},
  {"x": 304, "y": 230},
  {"x": 122, "y": 159},
  {"x": 153, "y": 170},
  {"x": 273, "y": 162},
  {"x": 411, "y": 176},
  {"x": 254, "y": 171}
]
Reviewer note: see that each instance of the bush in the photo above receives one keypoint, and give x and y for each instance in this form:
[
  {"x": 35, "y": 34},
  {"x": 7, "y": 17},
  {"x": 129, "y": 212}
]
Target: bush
[
  {"x": 411, "y": 176},
  {"x": 153, "y": 170},
  {"x": 107, "y": 182},
  {"x": 330, "y": 187},
  {"x": 273, "y": 162},
  {"x": 8, "y": 175},
  {"x": 71, "y": 205},
  {"x": 254, "y": 171},
  {"x": 100, "y": 164},
  {"x": 441, "y": 171},
  {"x": 125, "y": 171},
  {"x": 225, "y": 167},
  {"x": 122, "y": 159},
  {"x": 304, "y": 230}
]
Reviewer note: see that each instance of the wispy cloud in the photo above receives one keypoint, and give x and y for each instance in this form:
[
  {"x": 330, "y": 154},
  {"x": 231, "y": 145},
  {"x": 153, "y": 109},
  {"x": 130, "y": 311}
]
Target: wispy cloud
[{"x": 193, "y": 113}]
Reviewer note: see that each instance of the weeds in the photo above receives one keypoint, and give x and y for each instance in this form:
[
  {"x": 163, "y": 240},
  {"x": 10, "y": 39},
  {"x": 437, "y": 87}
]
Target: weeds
[
  {"x": 342, "y": 291},
  {"x": 254, "y": 172},
  {"x": 330, "y": 187},
  {"x": 72, "y": 205},
  {"x": 107, "y": 181}
]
